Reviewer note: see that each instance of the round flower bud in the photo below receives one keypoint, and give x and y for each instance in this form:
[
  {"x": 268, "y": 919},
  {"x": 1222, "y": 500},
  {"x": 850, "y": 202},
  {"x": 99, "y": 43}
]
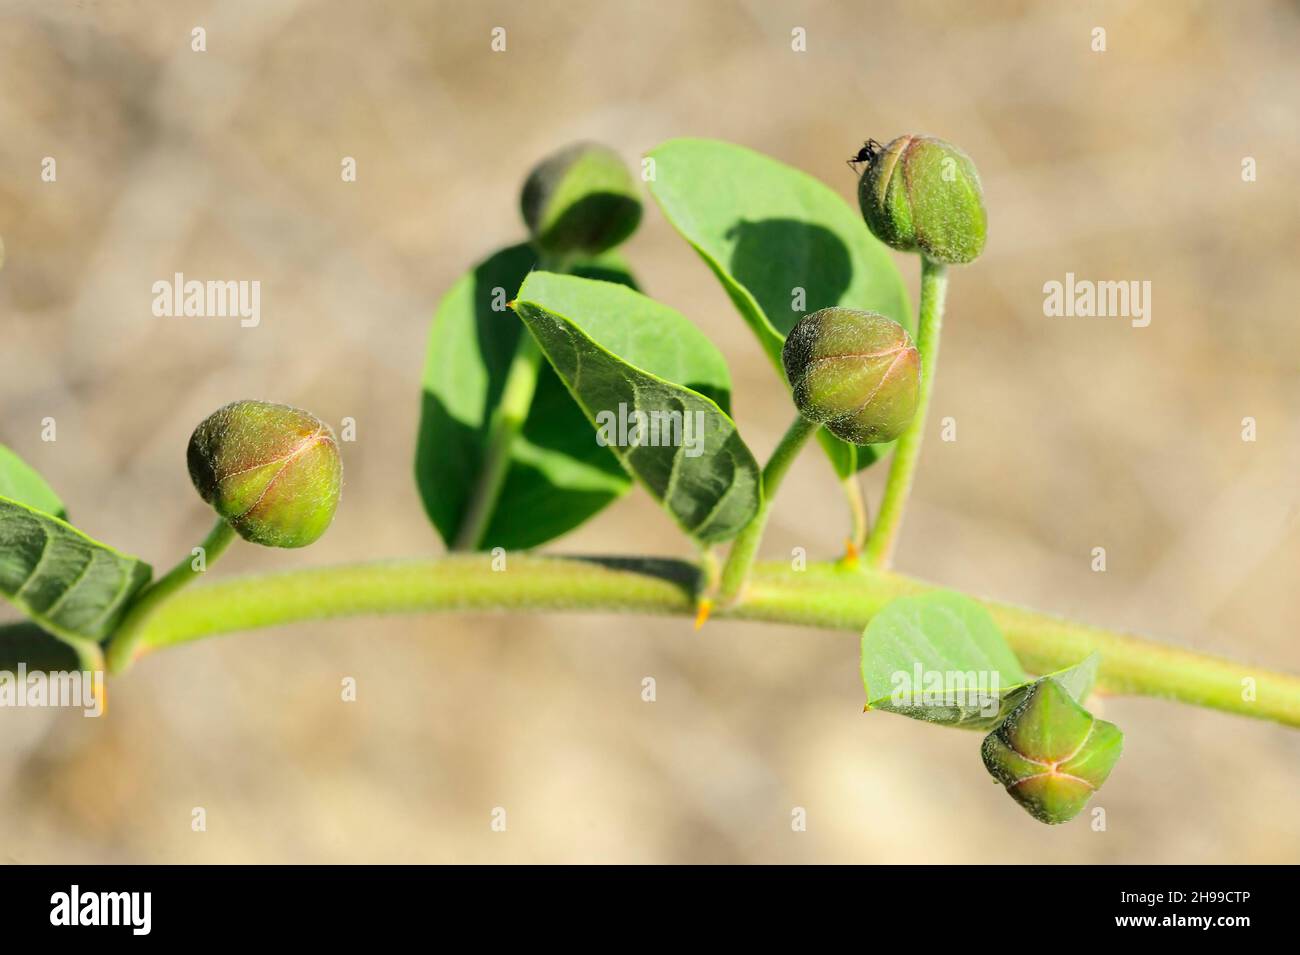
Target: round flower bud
[
  {"x": 272, "y": 471},
  {"x": 1051, "y": 754},
  {"x": 921, "y": 193},
  {"x": 580, "y": 201},
  {"x": 856, "y": 373}
]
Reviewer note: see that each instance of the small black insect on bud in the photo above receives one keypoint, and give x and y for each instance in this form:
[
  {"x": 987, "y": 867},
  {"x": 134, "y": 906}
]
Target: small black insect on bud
[{"x": 867, "y": 154}]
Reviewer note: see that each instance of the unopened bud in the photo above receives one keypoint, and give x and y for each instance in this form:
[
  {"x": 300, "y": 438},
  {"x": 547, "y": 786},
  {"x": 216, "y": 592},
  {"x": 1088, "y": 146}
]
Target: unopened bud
[
  {"x": 272, "y": 471},
  {"x": 1051, "y": 754},
  {"x": 923, "y": 194},
  {"x": 580, "y": 201},
  {"x": 856, "y": 373}
]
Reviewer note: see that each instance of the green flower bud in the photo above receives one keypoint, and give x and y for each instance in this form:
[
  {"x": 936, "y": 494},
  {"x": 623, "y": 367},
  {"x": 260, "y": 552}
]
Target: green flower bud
[
  {"x": 857, "y": 373},
  {"x": 1051, "y": 754},
  {"x": 273, "y": 472},
  {"x": 920, "y": 193},
  {"x": 580, "y": 201}
]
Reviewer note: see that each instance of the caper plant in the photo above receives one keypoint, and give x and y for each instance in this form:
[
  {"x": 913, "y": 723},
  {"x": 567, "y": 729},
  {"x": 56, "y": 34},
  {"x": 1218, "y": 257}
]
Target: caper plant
[{"x": 552, "y": 385}]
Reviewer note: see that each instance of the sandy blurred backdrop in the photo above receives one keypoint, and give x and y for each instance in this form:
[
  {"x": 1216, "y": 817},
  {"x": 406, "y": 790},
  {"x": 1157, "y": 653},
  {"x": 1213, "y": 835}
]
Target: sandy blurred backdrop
[{"x": 1071, "y": 433}]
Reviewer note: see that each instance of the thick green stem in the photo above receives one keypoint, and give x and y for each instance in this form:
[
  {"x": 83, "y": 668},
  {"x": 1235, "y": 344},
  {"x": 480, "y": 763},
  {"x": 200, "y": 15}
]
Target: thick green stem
[
  {"x": 745, "y": 547},
  {"x": 823, "y": 595},
  {"x": 503, "y": 427},
  {"x": 884, "y": 535},
  {"x": 125, "y": 643}
]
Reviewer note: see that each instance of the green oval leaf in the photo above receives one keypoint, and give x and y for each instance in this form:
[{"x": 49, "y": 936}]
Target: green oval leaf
[
  {"x": 20, "y": 482},
  {"x": 557, "y": 476},
  {"x": 939, "y": 657},
  {"x": 767, "y": 229},
  {"x": 623, "y": 355},
  {"x": 74, "y": 587}
]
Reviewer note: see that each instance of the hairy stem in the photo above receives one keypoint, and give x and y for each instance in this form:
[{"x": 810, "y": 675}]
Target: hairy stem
[
  {"x": 506, "y": 422},
  {"x": 745, "y": 547},
  {"x": 823, "y": 595},
  {"x": 880, "y": 545},
  {"x": 125, "y": 643}
]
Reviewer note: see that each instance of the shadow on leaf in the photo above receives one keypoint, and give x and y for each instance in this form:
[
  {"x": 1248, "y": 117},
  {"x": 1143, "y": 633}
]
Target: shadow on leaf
[
  {"x": 774, "y": 257},
  {"x": 28, "y": 644}
]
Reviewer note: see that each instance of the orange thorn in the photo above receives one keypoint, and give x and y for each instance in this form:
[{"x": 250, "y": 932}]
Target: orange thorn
[
  {"x": 866, "y": 708},
  {"x": 702, "y": 613},
  {"x": 850, "y": 553}
]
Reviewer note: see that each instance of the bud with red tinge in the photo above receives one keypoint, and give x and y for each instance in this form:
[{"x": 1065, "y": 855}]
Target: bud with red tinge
[
  {"x": 856, "y": 373},
  {"x": 1051, "y": 754},
  {"x": 271, "y": 471}
]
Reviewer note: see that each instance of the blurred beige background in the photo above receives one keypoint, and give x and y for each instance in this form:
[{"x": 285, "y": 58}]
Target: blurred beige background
[{"x": 1071, "y": 433}]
